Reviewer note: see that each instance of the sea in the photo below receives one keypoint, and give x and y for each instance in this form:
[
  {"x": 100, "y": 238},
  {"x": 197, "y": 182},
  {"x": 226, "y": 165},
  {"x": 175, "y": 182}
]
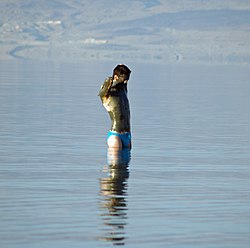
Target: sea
[{"x": 184, "y": 184}]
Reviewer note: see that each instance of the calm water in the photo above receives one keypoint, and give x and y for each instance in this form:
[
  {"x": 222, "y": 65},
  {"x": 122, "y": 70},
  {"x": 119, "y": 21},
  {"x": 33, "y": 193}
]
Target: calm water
[{"x": 184, "y": 184}]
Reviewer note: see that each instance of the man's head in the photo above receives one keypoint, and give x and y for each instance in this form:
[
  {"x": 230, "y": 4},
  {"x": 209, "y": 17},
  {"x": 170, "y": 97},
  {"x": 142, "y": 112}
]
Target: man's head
[{"x": 121, "y": 73}]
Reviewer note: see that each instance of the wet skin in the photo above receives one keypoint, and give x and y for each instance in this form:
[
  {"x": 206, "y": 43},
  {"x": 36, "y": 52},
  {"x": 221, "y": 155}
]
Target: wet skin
[{"x": 114, "y": 98}]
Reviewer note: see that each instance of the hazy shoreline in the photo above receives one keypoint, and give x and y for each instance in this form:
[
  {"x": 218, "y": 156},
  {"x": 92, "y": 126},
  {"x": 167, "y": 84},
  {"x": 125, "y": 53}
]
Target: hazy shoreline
[{"x": 191, "y": 32}]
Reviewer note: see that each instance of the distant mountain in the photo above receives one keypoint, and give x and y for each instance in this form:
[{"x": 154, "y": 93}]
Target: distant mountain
[{"x": 190, "y": 31}]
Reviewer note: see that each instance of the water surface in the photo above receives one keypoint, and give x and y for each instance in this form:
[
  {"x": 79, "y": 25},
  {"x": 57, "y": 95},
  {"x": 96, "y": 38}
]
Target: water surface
[{"x": 184, "y": 184}]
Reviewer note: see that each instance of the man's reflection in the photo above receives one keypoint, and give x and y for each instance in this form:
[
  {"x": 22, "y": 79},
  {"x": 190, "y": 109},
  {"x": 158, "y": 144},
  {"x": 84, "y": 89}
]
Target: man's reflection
[{"x": 114, "y": 192}]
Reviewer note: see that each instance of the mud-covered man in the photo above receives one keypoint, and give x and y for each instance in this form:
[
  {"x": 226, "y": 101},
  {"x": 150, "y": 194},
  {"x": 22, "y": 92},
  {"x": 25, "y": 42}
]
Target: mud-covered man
[{"x": 113, "y": 94}]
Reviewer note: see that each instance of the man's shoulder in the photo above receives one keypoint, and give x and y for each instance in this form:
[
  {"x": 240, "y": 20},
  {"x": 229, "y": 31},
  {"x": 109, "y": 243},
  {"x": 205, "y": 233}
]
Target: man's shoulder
[{"x": 104, "y": 90}]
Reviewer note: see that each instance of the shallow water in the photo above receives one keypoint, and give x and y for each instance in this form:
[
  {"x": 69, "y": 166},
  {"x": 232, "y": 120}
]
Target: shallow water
[{"x": 184, "y": 184}]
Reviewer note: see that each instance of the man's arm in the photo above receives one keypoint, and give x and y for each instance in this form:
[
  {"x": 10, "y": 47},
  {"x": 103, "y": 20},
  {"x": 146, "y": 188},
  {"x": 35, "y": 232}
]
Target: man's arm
[{"x": 105, "y": 88}]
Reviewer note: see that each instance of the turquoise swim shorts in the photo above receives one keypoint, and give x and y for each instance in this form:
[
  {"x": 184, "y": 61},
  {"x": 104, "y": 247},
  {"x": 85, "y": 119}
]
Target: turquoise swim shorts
[{"x": 125, "y": 137}]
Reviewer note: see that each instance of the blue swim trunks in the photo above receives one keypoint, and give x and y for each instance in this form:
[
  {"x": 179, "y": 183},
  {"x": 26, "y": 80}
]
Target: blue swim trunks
[{"x": 125, "y": 137}]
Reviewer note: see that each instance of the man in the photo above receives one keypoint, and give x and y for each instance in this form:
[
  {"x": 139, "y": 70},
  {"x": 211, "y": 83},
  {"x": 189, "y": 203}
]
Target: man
[{"x": 113, "y": 94}]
